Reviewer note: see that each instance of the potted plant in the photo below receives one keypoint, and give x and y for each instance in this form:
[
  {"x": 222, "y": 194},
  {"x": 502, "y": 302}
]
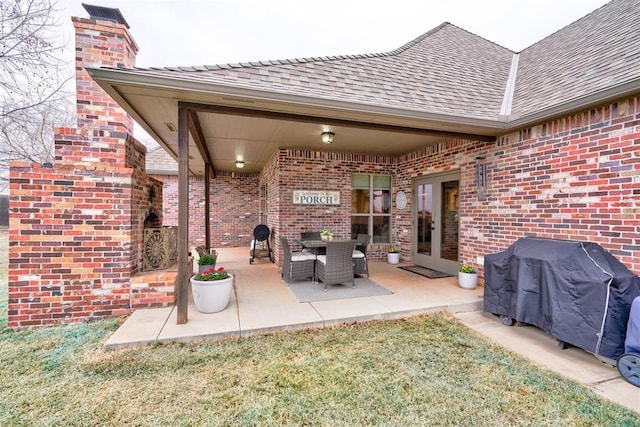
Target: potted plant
[
  {"x": 393, "y": 255},
  {"x": 211, "y": 290},
  {"x": 467, "y": 277},
  {"x": 207, "y": 261},
  {"x": 326, "y": 235}
]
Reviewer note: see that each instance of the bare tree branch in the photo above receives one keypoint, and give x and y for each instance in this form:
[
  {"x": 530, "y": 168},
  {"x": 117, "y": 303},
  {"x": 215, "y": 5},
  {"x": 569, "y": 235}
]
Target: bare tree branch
[{"x": 33, "y": 76}]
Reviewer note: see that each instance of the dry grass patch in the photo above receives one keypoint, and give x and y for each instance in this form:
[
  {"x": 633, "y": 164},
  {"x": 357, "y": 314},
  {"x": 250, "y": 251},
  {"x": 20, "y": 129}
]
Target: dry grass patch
[{"x": 428, "y": 370}]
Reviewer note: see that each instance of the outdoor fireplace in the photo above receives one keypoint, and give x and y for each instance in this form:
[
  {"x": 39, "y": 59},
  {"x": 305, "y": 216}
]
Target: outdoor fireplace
[{"x": 160, "y": 244}]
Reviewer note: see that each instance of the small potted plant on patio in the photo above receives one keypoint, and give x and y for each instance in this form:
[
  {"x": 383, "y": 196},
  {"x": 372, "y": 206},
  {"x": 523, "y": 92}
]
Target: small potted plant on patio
[
  {"x": 211, "y": 290},
  {"x": 207, "y": 261},
  {"x": 326, "y": 235},
  {"x": 393, "y": 255},
  {"x": 467, "y": 276}
]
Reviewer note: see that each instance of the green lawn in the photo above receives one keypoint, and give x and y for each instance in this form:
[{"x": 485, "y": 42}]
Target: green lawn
[
  {"x": 428, "y": 370},
  {"x": 422, "y": 371}
]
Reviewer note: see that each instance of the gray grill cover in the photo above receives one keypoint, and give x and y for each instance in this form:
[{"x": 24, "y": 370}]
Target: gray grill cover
[{"x": 571, "y": 290}]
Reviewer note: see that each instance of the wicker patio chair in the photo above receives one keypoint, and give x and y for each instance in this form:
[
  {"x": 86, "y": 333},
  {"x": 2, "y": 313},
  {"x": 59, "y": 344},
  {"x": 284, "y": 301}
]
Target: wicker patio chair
[
  {"x": 296, "y": 265},
  {"x": 336, "y": 267},
  {"x": 360, "y": 265}
]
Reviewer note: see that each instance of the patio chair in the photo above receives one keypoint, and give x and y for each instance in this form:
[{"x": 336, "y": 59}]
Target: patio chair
[
  {"x": 296, "y": 265},
  {"x": 360, "y": 265},
  {"x": 336, "y": 267}
]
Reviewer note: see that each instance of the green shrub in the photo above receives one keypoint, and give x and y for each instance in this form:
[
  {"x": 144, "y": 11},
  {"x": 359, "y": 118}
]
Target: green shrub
[
  {"x": 466, "y": 268},
  {"x": 207, "y": 259}
]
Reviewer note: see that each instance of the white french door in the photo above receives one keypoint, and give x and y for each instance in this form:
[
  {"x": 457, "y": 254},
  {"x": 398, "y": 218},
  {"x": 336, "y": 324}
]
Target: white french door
[{"x": 435, "y": 222}]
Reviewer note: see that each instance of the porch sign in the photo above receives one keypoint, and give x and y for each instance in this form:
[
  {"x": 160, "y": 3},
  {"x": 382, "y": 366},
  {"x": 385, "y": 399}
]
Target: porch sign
[{"x": 314, "y": 197}]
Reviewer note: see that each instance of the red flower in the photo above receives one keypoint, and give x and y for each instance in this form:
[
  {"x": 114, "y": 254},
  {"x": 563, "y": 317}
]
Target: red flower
[
  {"x": 209, "y": 271},
  {"x": 221, "y": 269}
]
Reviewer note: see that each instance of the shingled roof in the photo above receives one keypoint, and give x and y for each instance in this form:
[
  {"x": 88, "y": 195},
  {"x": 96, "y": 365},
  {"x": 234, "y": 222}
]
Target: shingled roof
[
  {"x": 447, "y": 70},
  {"x": 159, "y": 162},
  {"x": 453, "y": 72},
  {"x": 597, "y": 52}
]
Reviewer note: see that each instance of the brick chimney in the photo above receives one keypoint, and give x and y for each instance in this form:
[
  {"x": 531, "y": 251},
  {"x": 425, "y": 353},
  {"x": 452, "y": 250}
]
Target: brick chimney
[
  {"x": 105, "y": 131},
  {"x": 101, "y": 43}
]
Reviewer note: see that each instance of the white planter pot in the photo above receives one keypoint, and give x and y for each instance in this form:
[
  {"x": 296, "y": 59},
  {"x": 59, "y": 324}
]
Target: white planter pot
[
  {"x": 212, "y": 296},
  {"x": 393, "y": 257},
  {"x": 467, "y": 280}
]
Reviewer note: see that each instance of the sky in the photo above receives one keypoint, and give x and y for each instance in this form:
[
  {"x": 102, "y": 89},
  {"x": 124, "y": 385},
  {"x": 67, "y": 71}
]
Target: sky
[{"x": 205, "y": 32}]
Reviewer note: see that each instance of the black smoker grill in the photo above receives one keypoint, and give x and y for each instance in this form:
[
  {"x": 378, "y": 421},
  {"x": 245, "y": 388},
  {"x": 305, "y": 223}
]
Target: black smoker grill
[{"x": 261, "y": 238}]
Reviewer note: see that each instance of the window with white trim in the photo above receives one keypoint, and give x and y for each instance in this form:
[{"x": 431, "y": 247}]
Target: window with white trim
[{"x": 371, "y": 206}]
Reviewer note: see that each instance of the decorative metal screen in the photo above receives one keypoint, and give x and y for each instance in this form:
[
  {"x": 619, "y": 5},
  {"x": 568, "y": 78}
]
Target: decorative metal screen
[{"x": 160, "y": 248}]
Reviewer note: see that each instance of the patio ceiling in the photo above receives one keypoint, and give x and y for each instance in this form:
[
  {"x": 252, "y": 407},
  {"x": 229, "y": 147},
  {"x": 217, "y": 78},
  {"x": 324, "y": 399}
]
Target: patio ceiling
[{"x": 251, "y": 126}]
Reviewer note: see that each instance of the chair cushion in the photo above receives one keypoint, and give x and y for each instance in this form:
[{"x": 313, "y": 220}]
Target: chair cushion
[
  {"x": 322, "y": 259},
  {"x": 358, "y": 254},
  {"x": 302, "y": 256}
]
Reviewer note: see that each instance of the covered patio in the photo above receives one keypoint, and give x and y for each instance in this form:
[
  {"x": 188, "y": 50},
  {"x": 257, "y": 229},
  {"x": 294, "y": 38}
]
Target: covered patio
[
  {"x": 262, "y": 304},
  {"x": 447, "y": 149}
]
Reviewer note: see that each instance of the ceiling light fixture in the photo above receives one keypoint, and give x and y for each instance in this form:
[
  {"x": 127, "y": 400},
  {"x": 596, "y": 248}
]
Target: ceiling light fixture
[
  {"x": 239, "y": 164},
  {"x": 327, "y": 137}
]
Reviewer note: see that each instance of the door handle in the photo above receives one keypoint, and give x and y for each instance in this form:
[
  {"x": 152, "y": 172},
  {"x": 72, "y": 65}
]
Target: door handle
[{"x": 433, "y": 225}]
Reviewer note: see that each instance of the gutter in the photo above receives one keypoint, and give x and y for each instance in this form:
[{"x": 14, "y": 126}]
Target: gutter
[{"x": 629, "y": 88}]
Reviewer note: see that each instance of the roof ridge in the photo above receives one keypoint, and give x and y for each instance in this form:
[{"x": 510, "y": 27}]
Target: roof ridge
[
  {"x": 295, "y": 61},
  {"x": 418, "y": 39},
  {"x": 434, "y": 30},
  {"x": 483, "y": 38}
]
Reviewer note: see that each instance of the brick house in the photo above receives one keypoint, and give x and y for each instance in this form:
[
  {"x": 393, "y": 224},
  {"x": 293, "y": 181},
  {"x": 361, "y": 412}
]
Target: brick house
[{"x": 449, "y": 147}]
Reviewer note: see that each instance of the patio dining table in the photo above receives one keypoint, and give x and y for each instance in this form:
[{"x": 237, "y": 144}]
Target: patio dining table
[
  {"x": 315, "y": 244},
  {"x": 312, "y": 244}
]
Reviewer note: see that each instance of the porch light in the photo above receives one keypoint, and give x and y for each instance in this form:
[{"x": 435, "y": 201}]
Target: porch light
[
  {"x": 327, "y": 137},
  {"x": 481, "y": 176},
  {"x": 239, "y": 164},
  {"x": 481, "y": 172}
]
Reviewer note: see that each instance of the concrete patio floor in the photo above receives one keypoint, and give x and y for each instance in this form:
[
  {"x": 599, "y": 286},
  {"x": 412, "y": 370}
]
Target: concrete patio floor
[{"x": 263, "y": 304}]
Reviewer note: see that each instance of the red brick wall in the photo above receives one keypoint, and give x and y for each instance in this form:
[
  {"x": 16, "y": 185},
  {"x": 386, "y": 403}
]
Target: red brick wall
[
  {"x": 69, "y": 243},
  {"x": 575, "y": 178},
  {"x": 234, "y": 210}
]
